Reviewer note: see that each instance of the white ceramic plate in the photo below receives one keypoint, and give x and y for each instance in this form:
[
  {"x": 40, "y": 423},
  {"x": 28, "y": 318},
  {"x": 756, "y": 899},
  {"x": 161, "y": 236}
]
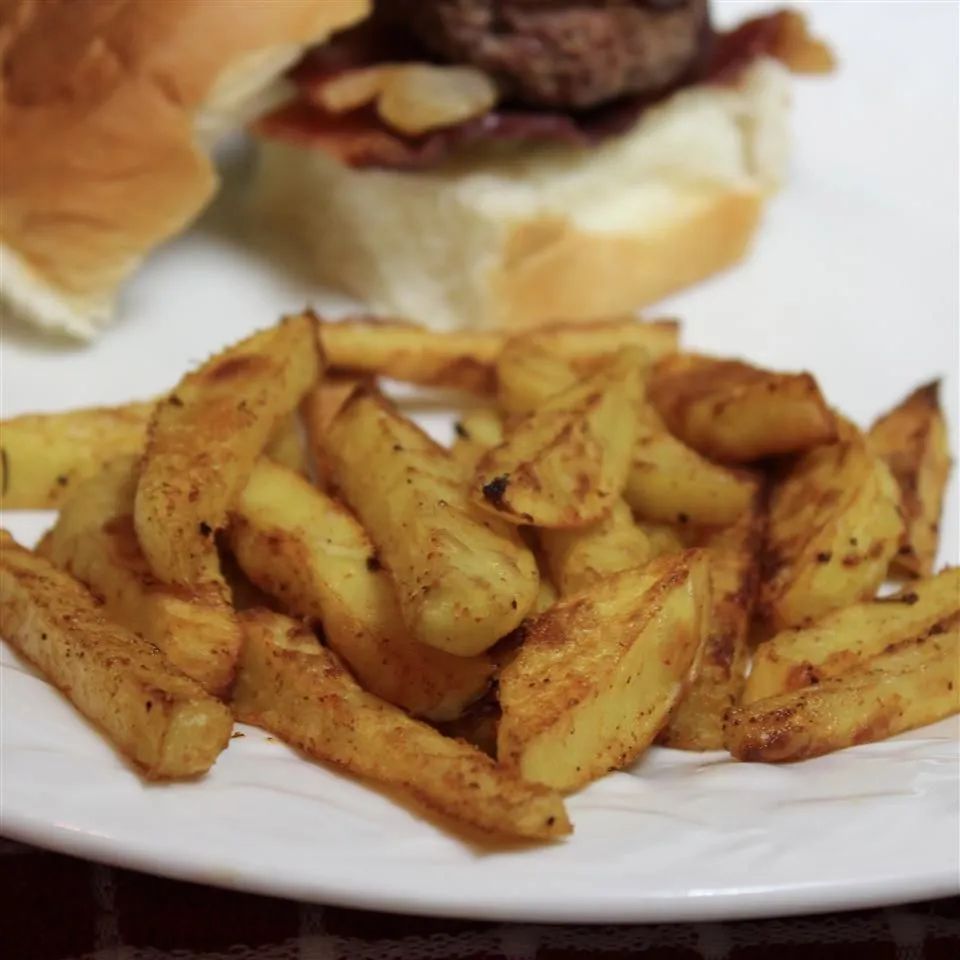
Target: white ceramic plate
[{"x": 855, "y": 277}]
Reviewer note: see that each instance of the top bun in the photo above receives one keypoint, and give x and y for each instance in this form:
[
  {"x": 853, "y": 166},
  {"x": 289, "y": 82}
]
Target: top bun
[{"x": 107, "y": 111}]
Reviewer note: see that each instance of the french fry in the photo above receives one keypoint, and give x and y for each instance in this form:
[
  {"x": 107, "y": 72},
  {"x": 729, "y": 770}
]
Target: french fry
[
  {"x": 668, "y": 482},
  {"x": 834, "y": 526},
  {"x": 846, "y": 638},
  {"x": 580, "y": 557},
  {"x": 405, "y": 351},
  {"x": 912, "y": 440},
  {"x": 464, "y": 580},
  {"x": 310, "y": 553},
  {"x": 598, "y": 674},
  {"x": 565, "y": 464},
  {"x": 94, "y": 540},
  {"x": 528, "y": 375},
  {"x": 736, "y": 413},
  {"x": 204, "y": 440},
  {"x": 915, "y": 683},
  {"x": 477, "y": 431},
  {"x": 697, "y": 722},
  {"x": 43, "y": 456},
  {"x": 286, "y": 445},
  {"x": 319, "y": 408},
  {"x": 292, "y": 686},
  {"x": 158, "y": 717}
]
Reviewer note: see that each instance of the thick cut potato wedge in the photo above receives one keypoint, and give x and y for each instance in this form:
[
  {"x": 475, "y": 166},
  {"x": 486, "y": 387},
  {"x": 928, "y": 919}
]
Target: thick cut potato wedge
[
  {"x": 846, "y": 638},
  {"x": 405, "y": 351},
  {"x": 477, "y": 431},
  {"x": 565, "y": 464},
  {"x": 158, "y": 717},
  {"x": 914, "y": 683},
  {"x": 295, "y": 688},
  {"x": 669, "y": 483},
  {"x": 737, "y": 413},
  {"x": 834, "y": 526},
  {"x": 697, "y": 723},
  {"x": 205, "y": 438},
  {"x": 912, "y": 440},
  {"x": 94, "y": 540},
  {"x": 44, "y": 456},
  {"x": 310, "y": 553},
  {"x": 599, "y": 673},
  {"x": 464, "y": 579},
  {"x": 580, "y": 557}
]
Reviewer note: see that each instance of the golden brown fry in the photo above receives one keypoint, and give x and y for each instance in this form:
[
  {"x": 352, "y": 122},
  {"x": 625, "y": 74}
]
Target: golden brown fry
[
  {"x": 912, "y": 440},
  {"x": 669, "y": 483},
  {"x": 579, "y": 558},
  {"x": 528, "y": 374},
  {"x": 697, "y": 723},
  {"x": 319, "y": 408},
  {"x": 846, "y": 638},
  {"x": 737, "y": 413},
  {"x": 464, "y": 579},
  {"x": 477, "y": 431},
  {"x": 205, "y": 438},
  {"x": 834, "y": 526},
  {"x": 598, "y": 674},
  {"x": 94, "y": 541},
  {"x": 312, "y": 555},
  {"x": 915, "y": 683},
  {"x": 564, "y": 465},
  {"x": 161, "y": 719},
  {"x": 405, "y": 351},
  {"x": 293, "y": 687},
  {"x": 43, "y": 456}
]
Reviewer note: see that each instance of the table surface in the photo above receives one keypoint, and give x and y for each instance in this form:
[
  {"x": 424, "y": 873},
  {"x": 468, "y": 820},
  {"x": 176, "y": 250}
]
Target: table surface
[{"x": 59, "y": 908}]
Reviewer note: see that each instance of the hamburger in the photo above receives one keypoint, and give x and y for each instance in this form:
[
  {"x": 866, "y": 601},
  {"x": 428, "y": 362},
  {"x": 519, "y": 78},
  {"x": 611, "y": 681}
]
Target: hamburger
[{"x": 457, "y": 162}]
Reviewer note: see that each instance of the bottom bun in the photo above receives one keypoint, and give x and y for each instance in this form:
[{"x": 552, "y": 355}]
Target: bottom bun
[{"x": 528, "y": 235}]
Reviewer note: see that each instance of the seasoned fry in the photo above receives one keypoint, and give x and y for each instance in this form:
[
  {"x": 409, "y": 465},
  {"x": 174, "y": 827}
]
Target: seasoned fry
[
  {"x": 405, "y": 351},
  {"x": 912, "y": 440},
  {"x": 464, "y": 580},
  {"x": 697, "y": 723},
  {"x": 94, "y": 540},
  {"x": 161, "y": 719},
  {"x": 528, "y": 374},
  {"x": 834, "y": 526},
  {"x": 599, "y": 673},
  {"x": 293, "y": 687},
  {"x": 737, "y": 413},
  {"x": 44, "y": 456},
  {"x": 205, "y": 438},
  {"x": 669, "y": 483},
  {"x": 846, "y": 638},
  {"x": 915, "y": 683},
  {"x": 477, "y": 431},
  {"x": 565, "y": 464},
  {"x": 308, "y": 552},
  {"x": 579, "y": 558}
]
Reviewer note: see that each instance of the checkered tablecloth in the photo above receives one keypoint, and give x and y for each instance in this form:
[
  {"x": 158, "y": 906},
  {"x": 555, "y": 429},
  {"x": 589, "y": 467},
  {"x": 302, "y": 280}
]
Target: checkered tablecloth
[{"x": 57, "y": 908}]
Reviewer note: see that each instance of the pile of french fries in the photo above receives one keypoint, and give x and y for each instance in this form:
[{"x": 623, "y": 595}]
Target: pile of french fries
[{"x": 624, "y": 544}]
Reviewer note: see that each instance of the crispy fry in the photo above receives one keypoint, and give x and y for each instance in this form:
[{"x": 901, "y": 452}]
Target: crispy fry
[
  {"x": 290, "y": 685},
  {"x": 161, "y": 719},
  {"x": 204, "y": 440},
  {"x": 599, "y": 673},
  {"x": 915, "y": 683},
  {"x": 737, "y": 413},
  {"x": 43, "y": 456},
  {"x": 405, "y": 351},
  {"x": 464, "y": 580},
  {"x": 94, "y": 540},
  {"x": 697, "y": 723},
  {"x": 580, "y": 557},
  {"x": 912, "y": 440},
  {"x": 834, "y": 526},
  {"x": 311, "y": 554},
  {"x": 846, "y": 638},
  {"x": 565, "y": 464}
]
